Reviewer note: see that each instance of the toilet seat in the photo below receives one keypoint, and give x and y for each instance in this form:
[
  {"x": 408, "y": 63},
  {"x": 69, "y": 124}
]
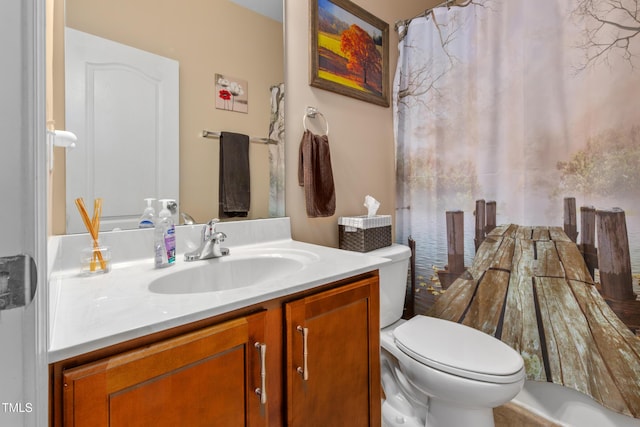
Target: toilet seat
[{"x": 468, "y": 353}]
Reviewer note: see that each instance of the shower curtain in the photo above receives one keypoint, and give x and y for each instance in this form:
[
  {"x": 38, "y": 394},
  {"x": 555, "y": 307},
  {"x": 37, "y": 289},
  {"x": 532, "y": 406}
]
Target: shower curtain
[
  {"x": 521, "y": 102},
  {"x": 276, "y": 152}
]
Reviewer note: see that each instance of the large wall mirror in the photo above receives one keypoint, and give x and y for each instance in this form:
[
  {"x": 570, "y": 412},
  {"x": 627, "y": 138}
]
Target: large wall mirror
[{"x": 239, "y": 39}]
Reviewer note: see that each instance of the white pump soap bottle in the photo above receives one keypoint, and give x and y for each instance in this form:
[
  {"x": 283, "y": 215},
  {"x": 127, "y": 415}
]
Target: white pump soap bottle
[
  {"x": 147, "y": 220},
  {"x": 165, "y": 239}
]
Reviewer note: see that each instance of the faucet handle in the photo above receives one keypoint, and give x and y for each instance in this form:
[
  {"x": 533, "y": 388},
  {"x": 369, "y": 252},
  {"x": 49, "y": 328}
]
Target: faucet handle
[{"x": 209, "y": 229}]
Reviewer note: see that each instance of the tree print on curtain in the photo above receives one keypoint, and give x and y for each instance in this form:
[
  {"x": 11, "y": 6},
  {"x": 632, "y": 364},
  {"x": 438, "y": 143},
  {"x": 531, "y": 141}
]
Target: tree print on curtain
[{"x": 276, "y": 152}]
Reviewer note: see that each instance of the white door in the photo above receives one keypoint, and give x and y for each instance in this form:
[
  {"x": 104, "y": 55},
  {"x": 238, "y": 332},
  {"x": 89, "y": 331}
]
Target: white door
[
  {"x": 23, "y": 290},
  {"x": 122, "y": 104}
]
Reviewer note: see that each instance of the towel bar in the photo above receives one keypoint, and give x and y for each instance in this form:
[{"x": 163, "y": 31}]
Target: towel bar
[{"x": 210, "y": 134}]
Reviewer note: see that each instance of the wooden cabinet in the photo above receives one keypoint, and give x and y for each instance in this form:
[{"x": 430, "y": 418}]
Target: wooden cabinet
[
  {"x": 207, "y": 373},
  {"x": 333, "y": 369},
  {"x": 203, "y": 378}
]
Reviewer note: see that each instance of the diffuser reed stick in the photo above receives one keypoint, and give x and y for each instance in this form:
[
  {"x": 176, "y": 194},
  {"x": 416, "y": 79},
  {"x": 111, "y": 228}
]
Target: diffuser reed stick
[
  {"x": 93, "y": 227},
  {"x": 95, "y": 223}
]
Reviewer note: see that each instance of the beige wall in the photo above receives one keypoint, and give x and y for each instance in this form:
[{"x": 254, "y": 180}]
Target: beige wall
[
  {"x": 206, "y": 37},
  {"x": 361, "y": 134}
]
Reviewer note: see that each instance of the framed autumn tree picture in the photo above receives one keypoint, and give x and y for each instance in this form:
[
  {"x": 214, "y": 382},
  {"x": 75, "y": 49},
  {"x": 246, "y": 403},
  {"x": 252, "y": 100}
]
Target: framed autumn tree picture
[{"x": 349, "y": 51}]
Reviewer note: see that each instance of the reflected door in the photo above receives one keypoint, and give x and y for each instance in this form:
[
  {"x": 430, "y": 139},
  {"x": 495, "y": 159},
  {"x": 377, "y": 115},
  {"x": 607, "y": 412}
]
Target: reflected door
[{"x": 122, "y": 104}]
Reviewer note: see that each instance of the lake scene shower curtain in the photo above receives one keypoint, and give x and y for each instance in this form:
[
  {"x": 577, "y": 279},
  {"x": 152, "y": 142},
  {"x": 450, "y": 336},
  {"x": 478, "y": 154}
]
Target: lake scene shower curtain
[
  {"x": 519, "y": 102},
  {"x": 276, "y": 152}
]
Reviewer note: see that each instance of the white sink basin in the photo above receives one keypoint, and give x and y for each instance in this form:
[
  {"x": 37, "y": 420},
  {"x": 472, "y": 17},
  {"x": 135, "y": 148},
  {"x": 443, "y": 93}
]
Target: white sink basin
[{"x": 235, "y": 271}]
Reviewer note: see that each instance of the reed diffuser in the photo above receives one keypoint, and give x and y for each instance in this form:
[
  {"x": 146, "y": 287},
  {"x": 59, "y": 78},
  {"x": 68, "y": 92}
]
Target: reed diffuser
[{"x": 96, "y": 258}]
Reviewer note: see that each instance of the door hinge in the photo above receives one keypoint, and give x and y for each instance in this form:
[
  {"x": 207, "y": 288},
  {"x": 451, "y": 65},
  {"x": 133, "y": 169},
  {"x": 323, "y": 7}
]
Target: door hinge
[{"x": 18, "y": 281}]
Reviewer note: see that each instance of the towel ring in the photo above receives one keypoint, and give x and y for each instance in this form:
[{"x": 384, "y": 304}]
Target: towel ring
[{"x": 312, "y": 112}]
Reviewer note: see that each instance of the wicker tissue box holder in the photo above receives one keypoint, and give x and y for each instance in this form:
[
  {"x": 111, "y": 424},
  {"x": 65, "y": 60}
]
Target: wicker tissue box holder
[{"x": 364, "y": 233}]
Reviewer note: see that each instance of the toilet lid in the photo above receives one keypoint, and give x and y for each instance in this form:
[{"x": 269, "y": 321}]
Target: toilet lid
[{"x": 459, "y": 350}]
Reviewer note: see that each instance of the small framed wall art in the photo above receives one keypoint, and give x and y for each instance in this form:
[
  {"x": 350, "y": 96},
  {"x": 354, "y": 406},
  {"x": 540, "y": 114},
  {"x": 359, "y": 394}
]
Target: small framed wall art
[{"x": 232, "y": 94}]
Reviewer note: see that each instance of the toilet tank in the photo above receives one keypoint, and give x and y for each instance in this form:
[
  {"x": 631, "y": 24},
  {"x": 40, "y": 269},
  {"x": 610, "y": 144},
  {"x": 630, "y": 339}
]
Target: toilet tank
[{"x": 393, "y": 281}]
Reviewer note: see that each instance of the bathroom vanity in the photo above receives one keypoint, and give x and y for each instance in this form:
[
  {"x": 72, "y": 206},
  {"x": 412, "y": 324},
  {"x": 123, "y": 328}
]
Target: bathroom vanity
[{"x": 299, "y": 348}]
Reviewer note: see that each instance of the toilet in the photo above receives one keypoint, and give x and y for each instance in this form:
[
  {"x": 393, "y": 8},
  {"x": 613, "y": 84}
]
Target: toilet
[{"x": 435, "y": 372}]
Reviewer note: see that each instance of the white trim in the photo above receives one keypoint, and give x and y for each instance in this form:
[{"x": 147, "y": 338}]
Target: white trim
[
  {"x": 35, "y": 59},
  {"x": 42, "y": 179}
]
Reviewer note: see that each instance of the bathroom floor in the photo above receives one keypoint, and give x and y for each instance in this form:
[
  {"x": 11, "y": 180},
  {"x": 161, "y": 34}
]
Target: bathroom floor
[{"x": 510, "y": 414}]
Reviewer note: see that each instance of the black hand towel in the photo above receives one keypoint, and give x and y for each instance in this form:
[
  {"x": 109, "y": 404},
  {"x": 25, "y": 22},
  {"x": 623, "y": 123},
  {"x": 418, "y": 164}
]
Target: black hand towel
[
  {"x": 316, "y": 175},
  {"x": 235, "y": 179}
]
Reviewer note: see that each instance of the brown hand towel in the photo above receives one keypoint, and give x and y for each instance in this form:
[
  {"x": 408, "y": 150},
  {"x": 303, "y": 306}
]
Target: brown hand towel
[
  {"x": 316, "y": 175},
  {"x": 235, "y": 180}
]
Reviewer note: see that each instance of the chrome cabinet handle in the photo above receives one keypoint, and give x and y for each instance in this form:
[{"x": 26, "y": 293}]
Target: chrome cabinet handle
[
  {"x": 262, "y": 390},
  {"x": 304, "y": 370}
]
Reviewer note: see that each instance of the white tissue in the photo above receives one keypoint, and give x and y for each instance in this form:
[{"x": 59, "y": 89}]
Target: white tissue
[{"x": 372, "y": 205}]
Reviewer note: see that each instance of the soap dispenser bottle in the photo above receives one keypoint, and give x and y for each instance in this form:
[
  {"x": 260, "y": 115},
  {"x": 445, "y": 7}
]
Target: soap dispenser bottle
[
  {"x": 165, "y": 239},
  {"x": 147, "y": 220}
]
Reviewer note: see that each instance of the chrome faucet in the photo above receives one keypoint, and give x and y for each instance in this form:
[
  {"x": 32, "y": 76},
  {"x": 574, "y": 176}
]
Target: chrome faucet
[{"x": 210, "y": 244}]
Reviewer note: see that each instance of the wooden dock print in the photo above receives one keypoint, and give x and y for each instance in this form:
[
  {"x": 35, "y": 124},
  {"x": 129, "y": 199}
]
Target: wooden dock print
[{"x": 531, "y": 288}]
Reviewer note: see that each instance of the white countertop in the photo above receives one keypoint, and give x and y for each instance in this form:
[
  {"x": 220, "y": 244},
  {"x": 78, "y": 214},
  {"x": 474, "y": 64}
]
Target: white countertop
[{"x": 89, "y": 313}]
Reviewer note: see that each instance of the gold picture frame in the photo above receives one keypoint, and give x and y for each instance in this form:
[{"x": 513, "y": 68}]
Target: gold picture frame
[{"x": 349, "y": 51}]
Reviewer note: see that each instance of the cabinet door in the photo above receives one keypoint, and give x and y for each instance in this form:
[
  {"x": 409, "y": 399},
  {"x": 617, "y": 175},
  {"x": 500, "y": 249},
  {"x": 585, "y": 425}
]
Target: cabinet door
[
  {"x": 333, "y": 357},
  {"x": 204, "y": 378}
]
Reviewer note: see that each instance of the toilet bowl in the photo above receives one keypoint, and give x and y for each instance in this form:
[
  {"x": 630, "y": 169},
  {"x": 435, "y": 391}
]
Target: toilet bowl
[{"x": 434, "y": 372}]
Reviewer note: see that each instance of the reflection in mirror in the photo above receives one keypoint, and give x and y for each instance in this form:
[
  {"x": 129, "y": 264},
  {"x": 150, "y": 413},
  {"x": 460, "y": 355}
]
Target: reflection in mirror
[{"x": 205, "y": 38}]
